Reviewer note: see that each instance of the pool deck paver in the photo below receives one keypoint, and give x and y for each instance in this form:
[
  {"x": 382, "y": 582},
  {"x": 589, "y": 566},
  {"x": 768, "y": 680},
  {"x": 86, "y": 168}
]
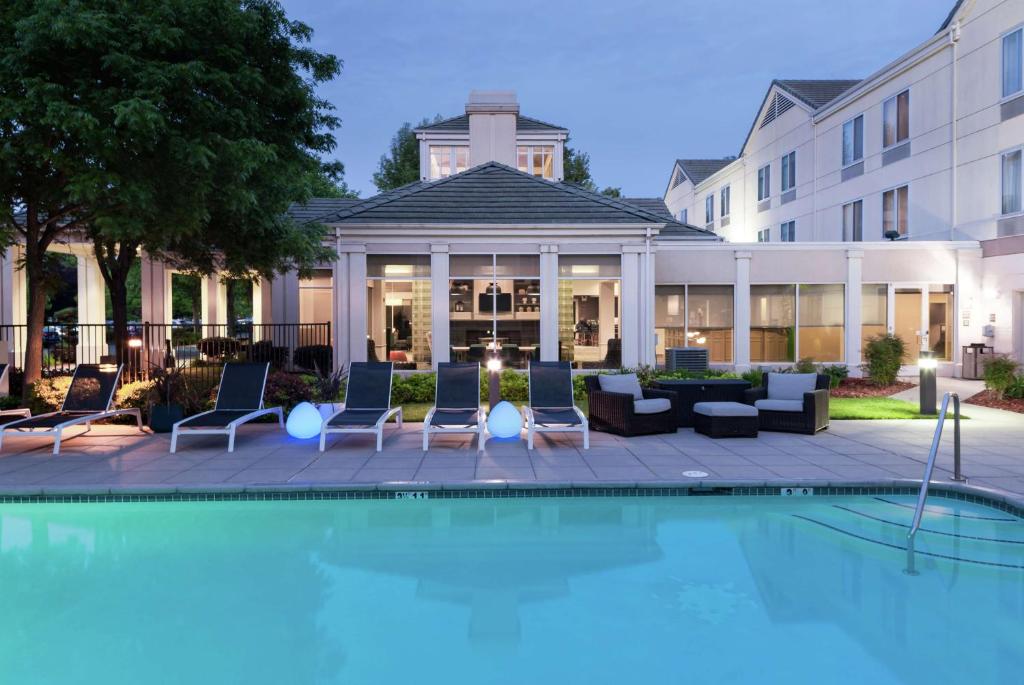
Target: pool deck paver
[{"x": 119, "y": 459}]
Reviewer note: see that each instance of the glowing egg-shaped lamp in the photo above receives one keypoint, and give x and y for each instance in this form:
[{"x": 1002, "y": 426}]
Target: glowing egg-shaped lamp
[
  {"x": 304, "y": 421},
  {"x": 504, "y": 421}
]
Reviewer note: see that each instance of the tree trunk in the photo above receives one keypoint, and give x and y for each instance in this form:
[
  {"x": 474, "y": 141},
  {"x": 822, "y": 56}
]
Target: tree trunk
[
  {"x": 115, "y": 261},
  {"x": 230, "y": 306},
  {"x": 35, "y": 278}
]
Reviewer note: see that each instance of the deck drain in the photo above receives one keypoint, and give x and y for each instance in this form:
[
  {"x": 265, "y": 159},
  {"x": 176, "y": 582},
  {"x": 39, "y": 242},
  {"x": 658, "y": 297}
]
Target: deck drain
[{"x": 695, "y": 474}]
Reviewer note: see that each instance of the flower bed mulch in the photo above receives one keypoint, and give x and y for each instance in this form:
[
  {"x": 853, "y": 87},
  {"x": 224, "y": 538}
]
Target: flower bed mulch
[
  {"x": 862, "y": 387},
  {"x": 987, "y": 398}
]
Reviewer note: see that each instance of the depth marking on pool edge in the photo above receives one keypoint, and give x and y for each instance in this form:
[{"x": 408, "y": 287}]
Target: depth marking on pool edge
[{"x": 412, "y": 494}]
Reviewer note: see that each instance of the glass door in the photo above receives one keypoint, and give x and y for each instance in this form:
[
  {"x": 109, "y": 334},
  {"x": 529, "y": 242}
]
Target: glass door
[{"x": 907, "y": 322}]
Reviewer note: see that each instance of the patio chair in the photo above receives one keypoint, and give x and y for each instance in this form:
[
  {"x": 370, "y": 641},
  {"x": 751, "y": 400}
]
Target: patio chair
[
  {"x": 8, "y": 415},
  {"x": 367, "y": 403},
  {"x": 239, "y": 400},
  {"x": 88, "y": 399},
  {"x": 791, "y": 402},
  {"x": 457, "y": 405},
  {"x": 617, "y": 404},
  {"x": 551, "y": 408}
]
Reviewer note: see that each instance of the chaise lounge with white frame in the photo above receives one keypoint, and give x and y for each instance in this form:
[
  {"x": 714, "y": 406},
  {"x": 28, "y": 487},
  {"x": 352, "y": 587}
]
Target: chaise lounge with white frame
[
  {"x": 88, "y": 399},
  {"x": 551, "y": 408},
  {"x": 239, "y": 400},
  {"x": 367, "y": 403},
  {"x": 457, "y": 403}
]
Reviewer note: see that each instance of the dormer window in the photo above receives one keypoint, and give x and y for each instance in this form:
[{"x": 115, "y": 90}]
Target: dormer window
[
  {"x": 446, "y": 160},
  {"x": 538, "y": 160}
]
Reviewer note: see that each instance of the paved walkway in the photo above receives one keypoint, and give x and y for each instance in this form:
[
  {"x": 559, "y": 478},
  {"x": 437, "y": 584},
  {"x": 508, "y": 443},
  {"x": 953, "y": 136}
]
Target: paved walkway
[{"x": 119, "y": 459}]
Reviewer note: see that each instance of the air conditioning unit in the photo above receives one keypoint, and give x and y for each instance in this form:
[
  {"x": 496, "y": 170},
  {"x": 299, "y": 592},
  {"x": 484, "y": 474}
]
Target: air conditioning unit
[{"x": 686, "y": 359}]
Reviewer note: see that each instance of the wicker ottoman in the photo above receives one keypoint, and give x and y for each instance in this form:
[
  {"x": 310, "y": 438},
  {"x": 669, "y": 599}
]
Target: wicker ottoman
[{"x": 725, "y": 419}]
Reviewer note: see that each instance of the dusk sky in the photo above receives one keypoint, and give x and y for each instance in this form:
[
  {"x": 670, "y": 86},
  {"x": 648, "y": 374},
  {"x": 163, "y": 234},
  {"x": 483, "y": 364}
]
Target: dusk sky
[{"x": 637, "y": 84}]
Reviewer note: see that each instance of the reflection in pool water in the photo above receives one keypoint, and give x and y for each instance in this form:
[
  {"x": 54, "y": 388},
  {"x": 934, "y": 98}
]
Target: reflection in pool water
[{"x": 595, "y": 590}]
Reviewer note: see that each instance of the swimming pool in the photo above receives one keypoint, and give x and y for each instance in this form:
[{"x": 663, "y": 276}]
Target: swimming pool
[{"x": 573, "y": 590}]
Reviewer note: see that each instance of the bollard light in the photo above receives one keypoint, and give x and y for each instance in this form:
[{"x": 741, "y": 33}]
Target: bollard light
[{"x": 926, "y": 366}]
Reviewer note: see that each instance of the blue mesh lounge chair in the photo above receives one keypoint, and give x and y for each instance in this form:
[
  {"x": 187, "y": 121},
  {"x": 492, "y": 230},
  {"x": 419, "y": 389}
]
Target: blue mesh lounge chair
[
  {"x": 89, "y": 399},
  {"x": 239, "y": 400},
  {"x": 551, "y": 408},
  {"x": 457, "y": 403},
  {"x": 367, "y": 403}
]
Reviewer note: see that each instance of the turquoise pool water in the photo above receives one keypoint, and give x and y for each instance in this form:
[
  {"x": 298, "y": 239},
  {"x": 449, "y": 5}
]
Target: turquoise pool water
[{"x": 532, "y": 591}]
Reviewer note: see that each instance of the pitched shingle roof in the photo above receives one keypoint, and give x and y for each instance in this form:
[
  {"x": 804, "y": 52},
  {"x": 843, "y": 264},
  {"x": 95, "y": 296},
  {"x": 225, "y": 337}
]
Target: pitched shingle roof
[
  {"x": 494, "y": 193},
  {"x": 317, "y": 207},
  {"x": 949, "y": 17},
  {"x": 461, "y": 123},
  {"x": 699, "y": 169},
  {"x": 654, "y": 205},
  {"x": 816, "y": 93}
]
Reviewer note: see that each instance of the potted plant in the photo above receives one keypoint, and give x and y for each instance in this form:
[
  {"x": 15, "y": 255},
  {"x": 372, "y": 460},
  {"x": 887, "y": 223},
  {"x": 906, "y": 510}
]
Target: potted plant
[
  {"x": 327, "y": 389},
  {"x": 167, "y": 397}
]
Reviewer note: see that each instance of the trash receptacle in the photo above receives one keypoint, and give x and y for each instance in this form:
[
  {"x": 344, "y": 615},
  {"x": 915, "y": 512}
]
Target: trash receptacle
[{"x": 975, "y": 356}]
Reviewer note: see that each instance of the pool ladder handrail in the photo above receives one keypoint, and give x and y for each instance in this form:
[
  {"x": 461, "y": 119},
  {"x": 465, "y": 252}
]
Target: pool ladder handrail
[{"x": 922, "y": 495}]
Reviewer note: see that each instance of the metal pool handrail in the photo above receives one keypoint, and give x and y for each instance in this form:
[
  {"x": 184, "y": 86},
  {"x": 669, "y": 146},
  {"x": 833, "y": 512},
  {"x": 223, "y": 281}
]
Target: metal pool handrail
[{"x": 922, "y": 496}]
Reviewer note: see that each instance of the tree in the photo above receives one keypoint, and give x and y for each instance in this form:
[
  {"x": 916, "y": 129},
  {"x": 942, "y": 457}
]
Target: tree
[
  {"x": 576, "y": 169},
  {"x": 401, "y": 165},
  {"x": 182, "y": 127},
  {"x": 327, "y": 184}
]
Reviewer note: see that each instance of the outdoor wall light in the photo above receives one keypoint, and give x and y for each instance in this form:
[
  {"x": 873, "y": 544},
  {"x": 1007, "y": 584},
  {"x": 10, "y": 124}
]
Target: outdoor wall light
[
  {"x": 304, "y": 421},
  {"x": 493, "y": 382}
]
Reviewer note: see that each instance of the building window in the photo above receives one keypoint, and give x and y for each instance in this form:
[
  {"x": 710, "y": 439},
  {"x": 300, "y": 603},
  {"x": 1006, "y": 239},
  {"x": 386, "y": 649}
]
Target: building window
[
  {"x": 588, "y": 311},
  {"x": 725, "y": 200},
  {"x": 822, "y": 317},
  {"x": 896, "y": 119},
  {"x": 683, "y": 216},
  {"x": 1013, "y": 62},
  {"x": 895, "y": 204},
  {"x": 694, "y": 316},
  {"x": 398, "y": 310},
  {"x": 764, "y": 235},
  {"x": 789, "y": 171},
  {"x": 772, "y": 323},
  {"x": 874, "y": 312},
  {"x": 1011, "y": 182},
  {"x": 537, "y": 160},
  {"x": 764, "y": 175},
  {"x": 709, "y": 209},
  {"x": 494, "y": 308},
  {"x": 446, "y": 160},
  {"x": 788, "y": 232},
  {"x": 853, "y": 140},
  {"x": 853, "y": 221}
]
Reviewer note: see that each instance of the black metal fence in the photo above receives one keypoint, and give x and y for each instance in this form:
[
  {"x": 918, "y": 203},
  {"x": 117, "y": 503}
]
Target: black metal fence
[{"x": 287, "y": 346}]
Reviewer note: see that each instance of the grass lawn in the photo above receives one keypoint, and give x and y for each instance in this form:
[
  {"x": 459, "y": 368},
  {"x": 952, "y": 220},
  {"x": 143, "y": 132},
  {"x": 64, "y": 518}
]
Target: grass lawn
[
  {"x": 839, "y": 408},
  {"x": 861, "y": 408}
]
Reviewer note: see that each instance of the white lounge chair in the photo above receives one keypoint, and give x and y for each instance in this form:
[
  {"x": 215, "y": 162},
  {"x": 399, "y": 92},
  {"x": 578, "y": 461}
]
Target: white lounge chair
[
  {"x": 239, "y": 400},
  {"x": 367, "y": 403},
  {"x": 551, "y": 408},
  {"x": 456, "y": 403},
  {"x": 88, "y": 400}
]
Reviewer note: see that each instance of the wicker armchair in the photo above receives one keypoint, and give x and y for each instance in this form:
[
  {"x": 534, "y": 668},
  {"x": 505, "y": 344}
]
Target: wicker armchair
[
  {"x": 812, "y": 418},
  {"x": 612, "y": 412}
]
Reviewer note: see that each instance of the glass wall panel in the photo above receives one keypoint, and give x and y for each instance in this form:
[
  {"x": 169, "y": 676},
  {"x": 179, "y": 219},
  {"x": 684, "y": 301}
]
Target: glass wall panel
[
  {"x": 669, "y": 318},
  {"x": 398, "y": 310},
  {"x": 874, "y": 312},
  {"x": 772, "y": 323},
  {"x": 588, "y": 323},
  {"x": 710, "y": 320},
  {"x": 940, "y": 321},
  {"x": 822, "y": 317},
  {"x": 494, "y": 308}
]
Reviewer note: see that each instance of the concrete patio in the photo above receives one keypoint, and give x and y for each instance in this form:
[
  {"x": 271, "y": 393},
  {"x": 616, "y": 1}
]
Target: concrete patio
[{"x": 118, "y": 459}]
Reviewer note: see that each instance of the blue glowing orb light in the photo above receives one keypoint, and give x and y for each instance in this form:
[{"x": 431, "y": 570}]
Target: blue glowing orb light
[
  {"x": 504, "y": 421},
  {"x": 304, "y": 421}
]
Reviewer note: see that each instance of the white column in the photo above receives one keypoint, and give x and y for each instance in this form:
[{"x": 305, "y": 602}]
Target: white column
[
  {"x": 741, "y": 313},
  {"x": 7, "y": 333},
  {"x": 925, "y": 343},
  {"x": 967, "y": 304},
  {"x": 890, "y": 308},
  {"x": 156, "y": 309},
  {"x": 852, "y": 321},
  {"x": 357, "y": 302},
  {"x": 629, "y": 305},
  {"x": 648, "y": 354},
  {"x": 284, "y": 298},
  {"x": 342, "y": 353},
  {"x": 19, "y": 307},
  {"x": 549, "y": 303},
  {"x": 92, "y": 291},
  {"x": 214, "y": 298},
  {"x": 440, "y": 346},
  {"x": 262, "y": 302}
]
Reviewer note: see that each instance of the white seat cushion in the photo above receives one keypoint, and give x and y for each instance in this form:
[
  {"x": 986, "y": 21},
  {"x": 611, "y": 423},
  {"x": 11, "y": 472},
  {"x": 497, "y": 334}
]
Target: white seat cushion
[
  {"x": 724, "y": 409},
  {"x": 621, "y": 382},
  {"x": 790, "y": 386},
  {"x": 655, "y": 405},
  {"x": 780, "y": 405}
]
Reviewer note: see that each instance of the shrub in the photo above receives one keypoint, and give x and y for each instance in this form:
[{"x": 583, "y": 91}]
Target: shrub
[
  {"x": 327, "y": 386},
  {"x": 645, "y": 374},
  {"x": 47, "y": 394},
  {"x": 1016, "y": 389},
  {"x": 286, "y": 390},
  {"x": 218, "y": 347},
  {"x": 805, "y": 365},
  {"x": 1000, "y": 375},
  {"x": 414, "y": 388},
  {"x": 884, "y": 356},
  {"x": 314, "y": 357},
  {"x": 515, "y": 386},
  {"x": 754, "y": 377},
  {"x": 836, "y": 374},
  {"x": 264, "y": 351}
]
